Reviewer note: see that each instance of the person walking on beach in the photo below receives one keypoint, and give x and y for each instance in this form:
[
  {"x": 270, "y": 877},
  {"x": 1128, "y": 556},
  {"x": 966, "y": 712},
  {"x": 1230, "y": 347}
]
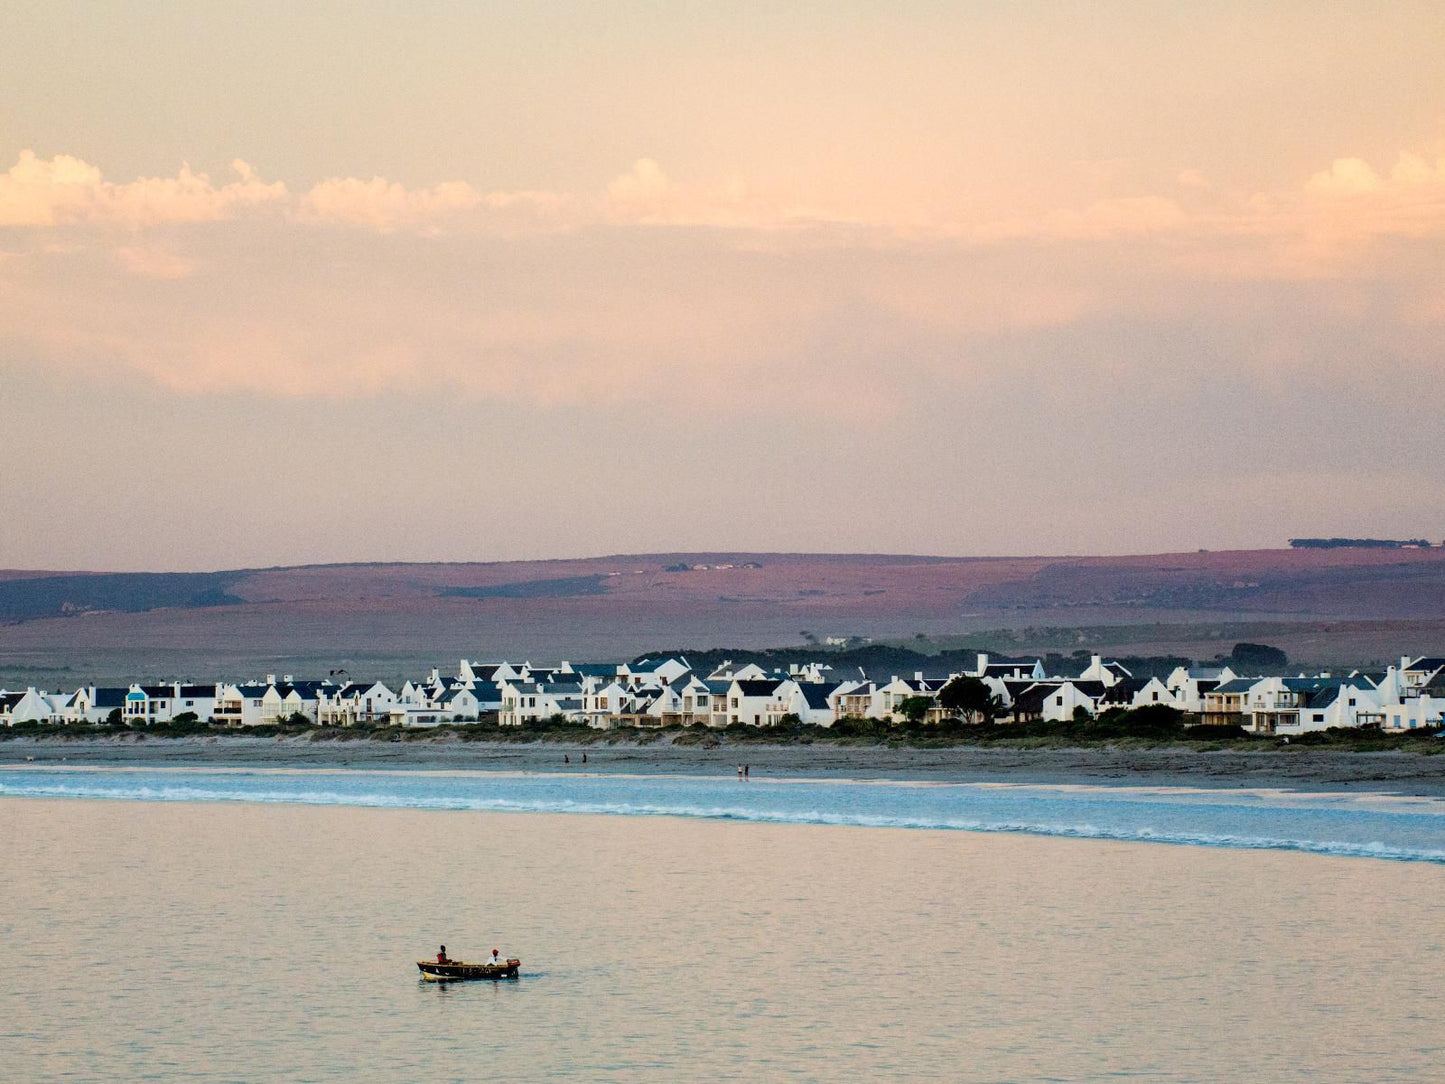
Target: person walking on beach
[
  {"x": 566, "y": 759},
  {"x": 740, "y": 771},
  {"x": 584, "y": 758},
  {"x": 747, "y": 770}
]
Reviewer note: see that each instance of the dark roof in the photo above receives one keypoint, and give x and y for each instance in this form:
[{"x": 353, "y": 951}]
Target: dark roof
[
  {"x": 198, "y": 690},
  {"x": 595, "y": 669},
  {"x": 758, "y": 688},
  {"x": 1323, "y": 698},
  {"x": 9, "y": 700},
  {"x": 1121, "y": 692},
  {"x": 1428, "y": 662},
  {"x": 110, "y": 698},
  {"x": 1031, "y": 700},
  {"x": 1238, "y": 685},
  {"x": 816, "y": 693},
  {"x": 999, "y": 669}
]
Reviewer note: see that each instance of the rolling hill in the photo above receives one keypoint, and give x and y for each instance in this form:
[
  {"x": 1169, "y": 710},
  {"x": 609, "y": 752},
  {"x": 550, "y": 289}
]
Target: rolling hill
[{"x": 1343, "y": 603}]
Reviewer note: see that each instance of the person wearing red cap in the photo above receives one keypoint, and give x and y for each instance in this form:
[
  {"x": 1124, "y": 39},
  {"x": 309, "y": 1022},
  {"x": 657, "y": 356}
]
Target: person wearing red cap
[{"x": 496, "y": 960}]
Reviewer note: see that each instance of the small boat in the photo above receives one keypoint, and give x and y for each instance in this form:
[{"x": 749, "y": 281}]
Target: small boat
[{"x": 457, "y": 971}]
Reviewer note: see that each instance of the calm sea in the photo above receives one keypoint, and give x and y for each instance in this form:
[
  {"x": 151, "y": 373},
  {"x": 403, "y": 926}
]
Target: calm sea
[{"x": 264, "y": 926}]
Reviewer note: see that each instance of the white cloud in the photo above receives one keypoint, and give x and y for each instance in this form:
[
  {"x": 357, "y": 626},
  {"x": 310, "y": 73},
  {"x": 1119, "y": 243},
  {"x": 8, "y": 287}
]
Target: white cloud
[{"x": 64, "y": 190}]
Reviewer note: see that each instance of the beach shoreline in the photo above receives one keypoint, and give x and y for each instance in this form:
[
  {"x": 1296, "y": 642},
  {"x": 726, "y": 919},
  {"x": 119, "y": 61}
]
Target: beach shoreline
[{"x": 1402, "y": 773}]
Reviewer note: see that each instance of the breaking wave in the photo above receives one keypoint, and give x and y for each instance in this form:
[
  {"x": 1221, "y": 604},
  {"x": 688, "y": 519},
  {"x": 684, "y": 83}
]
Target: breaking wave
[{"x": 1315, "y": 825}]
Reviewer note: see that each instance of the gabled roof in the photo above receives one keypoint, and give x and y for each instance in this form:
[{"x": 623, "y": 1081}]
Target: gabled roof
[
  {"x": 1238, "y": 685},
  {"x": 1003, "y": 669},
  {"x": 816, "y": 693},
  {"x": 758, "y": 688},
  {"x": 1323, "y": 698},
  {"x": 1031, "y": 700},
  {"x": 1122, "y": 691}
]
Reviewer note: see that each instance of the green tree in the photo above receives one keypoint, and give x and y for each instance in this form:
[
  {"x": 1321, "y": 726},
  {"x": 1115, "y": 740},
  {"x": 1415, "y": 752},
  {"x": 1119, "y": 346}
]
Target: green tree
[
  {"x": 914, "y": 709},
  {"x": 970, "y": 699}
]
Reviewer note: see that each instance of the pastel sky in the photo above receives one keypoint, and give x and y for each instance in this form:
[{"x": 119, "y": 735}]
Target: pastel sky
[{"x": 283, "y": 283}]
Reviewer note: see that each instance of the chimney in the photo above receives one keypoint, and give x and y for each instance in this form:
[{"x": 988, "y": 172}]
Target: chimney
[
  {"x": 1095, "y": 662},
  {"x": 918, "y": 675},
  {"x": 288, "y": 678},
  {"x": 982, "y": 663},
  {"x": 270, "y": 679},
  {"x": 1404, "y": 663}
]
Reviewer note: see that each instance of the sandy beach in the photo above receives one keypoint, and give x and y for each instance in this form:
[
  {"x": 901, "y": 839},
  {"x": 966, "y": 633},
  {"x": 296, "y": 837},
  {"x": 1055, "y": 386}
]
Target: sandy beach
[{"x": 1298, "y": 769}]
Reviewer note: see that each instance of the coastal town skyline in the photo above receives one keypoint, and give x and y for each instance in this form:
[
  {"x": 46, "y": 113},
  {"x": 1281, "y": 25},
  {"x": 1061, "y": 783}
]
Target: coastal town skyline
[{"x": 505, "y": 281}]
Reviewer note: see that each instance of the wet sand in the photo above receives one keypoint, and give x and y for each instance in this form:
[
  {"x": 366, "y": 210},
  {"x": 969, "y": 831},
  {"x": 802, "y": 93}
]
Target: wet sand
[{"x": 1297, "y": 769}]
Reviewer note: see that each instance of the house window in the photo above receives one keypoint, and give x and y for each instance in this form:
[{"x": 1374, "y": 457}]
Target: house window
[
  {"x": 1059, "y": 700},
  {"x": 1319, "y": 716}
]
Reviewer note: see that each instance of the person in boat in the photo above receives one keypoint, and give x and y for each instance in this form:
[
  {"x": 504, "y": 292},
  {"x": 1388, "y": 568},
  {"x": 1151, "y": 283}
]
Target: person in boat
[
  {"x": 496, "y": 960},
  {"x": 442, "y": 956}
]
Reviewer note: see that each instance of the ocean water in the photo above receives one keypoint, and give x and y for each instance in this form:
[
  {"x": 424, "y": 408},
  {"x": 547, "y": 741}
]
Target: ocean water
[
  {"x": 1358, "y": 825},
  {"x": 257, "y": 926}
]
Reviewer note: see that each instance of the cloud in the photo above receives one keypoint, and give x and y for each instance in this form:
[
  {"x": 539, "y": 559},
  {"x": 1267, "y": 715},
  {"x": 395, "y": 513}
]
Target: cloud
[
  {"x": 65, "y": 190},
  {"x": 644, "y": 183}
]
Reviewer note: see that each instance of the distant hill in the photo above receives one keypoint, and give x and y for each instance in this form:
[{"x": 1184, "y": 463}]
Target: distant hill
[{"x": 617, "y": 606}]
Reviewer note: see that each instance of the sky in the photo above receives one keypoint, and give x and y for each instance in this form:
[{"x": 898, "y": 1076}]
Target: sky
[{"x": 357, "y": 281}]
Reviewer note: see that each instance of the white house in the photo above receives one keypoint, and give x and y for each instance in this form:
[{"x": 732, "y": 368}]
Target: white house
[
  {"x": 1110, "y": 673},
  {"x": 1420, "y": 711},
  {"x": 33, "y": 706},
  {"x": 1061, "y": 702},
  {"x": 1349, "y": 703},
  {"x": 897, "y": 690},
  {"x": 858, "y": 700},
  {"x": 749, "y": 701},
  {"x": 369, "y": 702},
  {"x": 808, "y": 700},
  {"x": 530, "y": 701},
  {"x": 1188, "y": 685}
]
